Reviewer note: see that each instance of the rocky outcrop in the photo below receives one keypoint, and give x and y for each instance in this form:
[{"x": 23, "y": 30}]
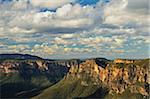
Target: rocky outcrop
[
  {"x": 125, "y": 61},
  {"x": 118, "y": 77},
  {"x": 12, "y": 66},
  {"x": 26, "y": 78},
  {"x": 85, "y": 70},
  {"x": 33, "y": 68},
  {"x": 131, "y": 77}
]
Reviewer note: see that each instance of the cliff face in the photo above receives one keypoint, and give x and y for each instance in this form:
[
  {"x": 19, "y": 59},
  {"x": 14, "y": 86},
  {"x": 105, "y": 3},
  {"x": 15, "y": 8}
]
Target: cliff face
[
  {"x": 13, "y": 66},
  {"x": 25, "y": 78},
  {"x": 132, "y": 77},
  {"x": 118, "y": 77},
  {"x": 86, "y": 70}
]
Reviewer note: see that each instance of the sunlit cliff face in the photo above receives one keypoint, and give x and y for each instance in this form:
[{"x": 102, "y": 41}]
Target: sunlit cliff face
[{"x": 118, "y": 79}]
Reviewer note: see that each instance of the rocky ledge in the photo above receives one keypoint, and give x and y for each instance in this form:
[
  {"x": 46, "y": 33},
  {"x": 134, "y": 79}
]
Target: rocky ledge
[{"x": 117, "y": 76}]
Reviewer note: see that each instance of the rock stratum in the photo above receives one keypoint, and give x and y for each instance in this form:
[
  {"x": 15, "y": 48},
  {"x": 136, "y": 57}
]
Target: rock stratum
[
  {"x": 116, "y": 76},
  {"x": 74, "y": 79}
]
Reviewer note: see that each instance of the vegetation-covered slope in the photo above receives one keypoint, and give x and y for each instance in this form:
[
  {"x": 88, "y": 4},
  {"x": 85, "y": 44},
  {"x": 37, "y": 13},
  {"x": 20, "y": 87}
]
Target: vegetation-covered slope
[
  {"x": 79, "y": 79},
  {"x": 26, "y": 78},
  {"x": 115, "y": 80}
]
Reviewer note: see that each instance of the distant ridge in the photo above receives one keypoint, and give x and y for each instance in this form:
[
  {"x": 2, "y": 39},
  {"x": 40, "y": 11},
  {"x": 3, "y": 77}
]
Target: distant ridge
[
  {"x": 19, "y": 56},
  {"x": 6, "y": 56}
]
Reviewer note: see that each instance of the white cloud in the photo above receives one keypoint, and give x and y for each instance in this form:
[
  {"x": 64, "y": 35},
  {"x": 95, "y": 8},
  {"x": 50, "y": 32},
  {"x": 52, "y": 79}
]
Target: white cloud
[
  {"x": 43, "y": 49},
  {"x": 67, "y": 36},
  {"x": 68, "y": 18},
  {"x": 17, "y": 48},
  {"x": 19, "y": 4},
  {"x": 126, "y": 12},
  {"x": 20, "y": 30},
  {"x": 50, "y": 3},
  {"x": 74, "y": 28},
  {"x": 62, "y": 41},
  {"x": 138, "y": 6}
]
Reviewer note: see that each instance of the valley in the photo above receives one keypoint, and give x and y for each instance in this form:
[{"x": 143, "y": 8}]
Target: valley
[{"x": 74, "y": 79}]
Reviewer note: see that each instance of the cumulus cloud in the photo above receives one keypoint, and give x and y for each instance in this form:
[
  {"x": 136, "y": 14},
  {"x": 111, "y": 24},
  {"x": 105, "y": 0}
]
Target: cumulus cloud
[
  {"x": 67, "y": 18},
  {"x": 138, "y": 6},
  {"x": 120, "y": 26},
  {"x": 50, "y": 3},
  {"x": 126, "y": 12}
]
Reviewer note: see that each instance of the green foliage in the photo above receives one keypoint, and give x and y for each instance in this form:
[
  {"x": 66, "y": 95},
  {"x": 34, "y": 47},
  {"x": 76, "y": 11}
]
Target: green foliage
[
  {"x": 125, "y": 95},
  {"x": 67, "y": 89},
  {"x": 13, "y": 84}
]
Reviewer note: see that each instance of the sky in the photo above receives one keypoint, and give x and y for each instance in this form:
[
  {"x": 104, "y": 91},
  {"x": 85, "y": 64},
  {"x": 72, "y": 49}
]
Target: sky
[{"x": 63, "y": 29}]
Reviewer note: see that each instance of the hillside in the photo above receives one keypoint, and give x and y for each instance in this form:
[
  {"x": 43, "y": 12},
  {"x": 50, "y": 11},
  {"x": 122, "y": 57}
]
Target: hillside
[
  {"x": 25, "y": 78},
  {"x": 18, "y": 57},
  {"x": 75, "y": 78},
  {"x": 89, "y": 80}
]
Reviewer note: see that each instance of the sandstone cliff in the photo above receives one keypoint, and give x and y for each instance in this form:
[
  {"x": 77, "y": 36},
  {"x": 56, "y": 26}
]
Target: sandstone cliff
[{"x": 118, "y": 77}]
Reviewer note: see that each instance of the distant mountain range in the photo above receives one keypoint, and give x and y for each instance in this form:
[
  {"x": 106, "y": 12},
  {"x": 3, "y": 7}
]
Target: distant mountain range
[
  {"x": 18, "y": 56},
  {"x": 28, "y": 76}
]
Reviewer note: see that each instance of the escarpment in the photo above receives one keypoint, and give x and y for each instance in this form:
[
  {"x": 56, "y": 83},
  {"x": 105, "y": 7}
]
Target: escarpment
[
  {"x": 117, "y": 76},
  {"x": 27, "y": 77},
  {"x": 74, "y": 78}
]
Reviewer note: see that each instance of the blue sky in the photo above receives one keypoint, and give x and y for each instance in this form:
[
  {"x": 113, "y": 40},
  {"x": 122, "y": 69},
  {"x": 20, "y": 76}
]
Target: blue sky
[{"x": 75, "y": 28}]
